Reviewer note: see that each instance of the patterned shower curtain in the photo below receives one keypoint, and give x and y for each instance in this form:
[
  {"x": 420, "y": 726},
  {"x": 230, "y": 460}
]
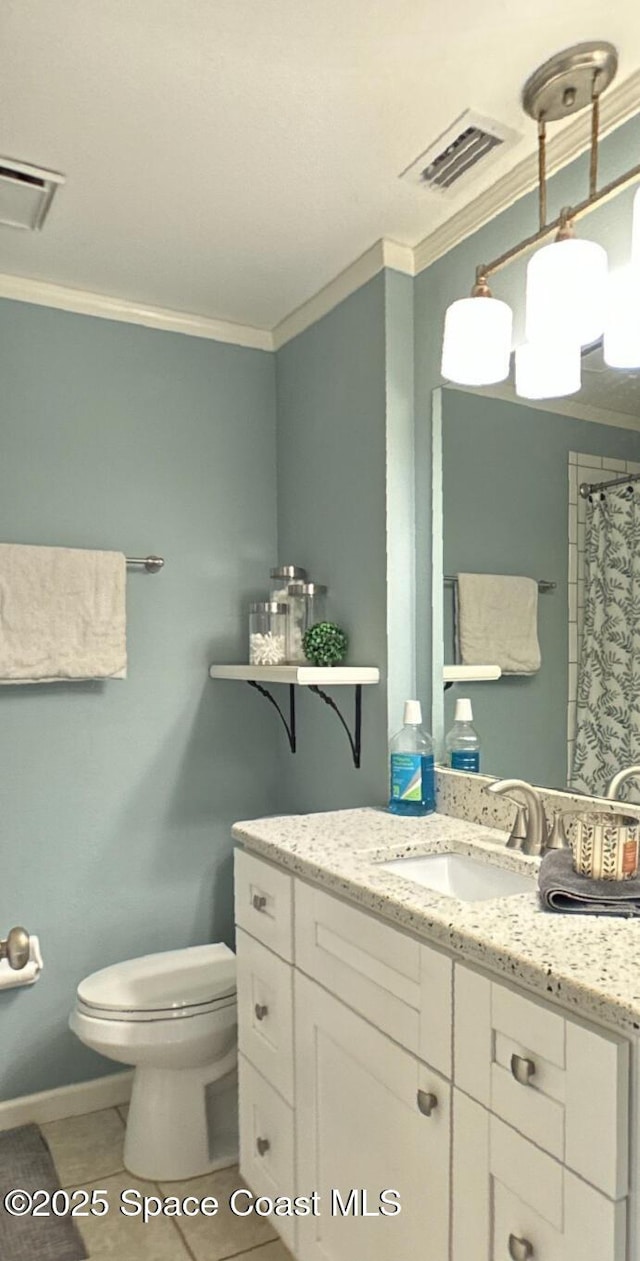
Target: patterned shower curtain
[{"x": 608, "y": 708}]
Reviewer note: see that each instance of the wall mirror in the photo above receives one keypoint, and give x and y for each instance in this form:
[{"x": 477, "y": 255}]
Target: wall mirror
[{"x": 506, "y": 500}]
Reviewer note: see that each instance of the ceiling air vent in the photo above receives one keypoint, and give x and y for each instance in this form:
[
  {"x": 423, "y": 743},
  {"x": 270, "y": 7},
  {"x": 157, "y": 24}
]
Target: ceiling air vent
[
  {"x": 26, "y": 192},
  {"x": 458, "y": 152}
]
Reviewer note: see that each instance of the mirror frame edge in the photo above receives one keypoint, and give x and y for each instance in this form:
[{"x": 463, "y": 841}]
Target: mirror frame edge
[{"x": 437, "y": 572}]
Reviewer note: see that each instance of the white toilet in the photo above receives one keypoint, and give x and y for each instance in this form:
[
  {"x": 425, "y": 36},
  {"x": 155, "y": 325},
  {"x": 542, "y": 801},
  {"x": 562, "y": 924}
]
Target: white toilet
[{"x": 173, "y": 1017}]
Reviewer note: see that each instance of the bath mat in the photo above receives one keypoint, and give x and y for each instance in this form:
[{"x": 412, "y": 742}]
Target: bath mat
[{"x": 26, "y": 1165}]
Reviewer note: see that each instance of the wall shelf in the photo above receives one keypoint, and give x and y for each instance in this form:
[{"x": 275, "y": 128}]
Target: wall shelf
[
  {"x": 304, "y": 676},
  {"x": 471, "y": 674},
  {"x": 311, "y": 677}
]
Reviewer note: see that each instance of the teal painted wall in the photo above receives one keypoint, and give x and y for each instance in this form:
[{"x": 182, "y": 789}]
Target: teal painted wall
[
  {"x": 451, "y": 277},
  {"x": 331, "y": 519},
  {"x": 401, "y": 496},
  {"x": 506, "y": 504},
  {"x": 116, "y": 799},
  {"x": 345, "y": 512}
]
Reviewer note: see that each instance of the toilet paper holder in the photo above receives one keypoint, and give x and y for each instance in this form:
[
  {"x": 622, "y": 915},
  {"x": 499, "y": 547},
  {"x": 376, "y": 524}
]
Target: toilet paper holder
[{"x": 16, "y": 948}]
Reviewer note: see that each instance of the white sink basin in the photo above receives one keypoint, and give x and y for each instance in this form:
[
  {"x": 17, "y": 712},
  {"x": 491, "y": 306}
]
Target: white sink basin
[{"x": 461, "y": 877}]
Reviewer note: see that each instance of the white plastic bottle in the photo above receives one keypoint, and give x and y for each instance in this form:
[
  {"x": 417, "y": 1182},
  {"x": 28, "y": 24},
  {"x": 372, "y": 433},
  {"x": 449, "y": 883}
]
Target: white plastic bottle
[
  {"x": 463, "y": 742},
  {"x": 412, "y": 766}
]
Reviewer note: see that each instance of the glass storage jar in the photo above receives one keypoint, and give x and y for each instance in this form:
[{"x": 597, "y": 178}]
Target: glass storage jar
[
  {"x": 267, "y": 633},
  {"x": 306, "y": 606},
  {"x": 282, "y": 576}
]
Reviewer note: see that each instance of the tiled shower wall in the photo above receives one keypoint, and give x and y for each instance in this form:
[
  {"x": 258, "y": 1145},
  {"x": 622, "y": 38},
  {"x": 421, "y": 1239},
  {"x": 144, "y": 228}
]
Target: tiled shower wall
[{"x": 582, "y": 468}]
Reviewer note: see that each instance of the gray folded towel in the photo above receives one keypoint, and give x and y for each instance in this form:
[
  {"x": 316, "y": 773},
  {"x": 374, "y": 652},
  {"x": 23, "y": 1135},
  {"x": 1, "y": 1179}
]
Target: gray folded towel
[{"x": 563, "y": 889}]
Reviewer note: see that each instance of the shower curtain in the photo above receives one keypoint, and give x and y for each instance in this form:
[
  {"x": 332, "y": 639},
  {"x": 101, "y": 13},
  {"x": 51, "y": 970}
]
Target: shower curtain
[{"x": 608, "y": 702}]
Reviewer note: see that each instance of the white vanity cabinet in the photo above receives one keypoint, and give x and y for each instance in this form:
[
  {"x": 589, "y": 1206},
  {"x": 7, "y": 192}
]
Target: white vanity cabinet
[
  {"x": 372, "y": 1063},
  {"x": 545, "y": 1112}
]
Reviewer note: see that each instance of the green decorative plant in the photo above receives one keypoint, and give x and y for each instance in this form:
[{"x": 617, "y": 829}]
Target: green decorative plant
[{"x": 325, "y": 644}]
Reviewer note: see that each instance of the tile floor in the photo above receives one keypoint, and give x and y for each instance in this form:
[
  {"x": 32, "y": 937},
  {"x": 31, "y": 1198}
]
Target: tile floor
[{"x": 87, "y": 1151}]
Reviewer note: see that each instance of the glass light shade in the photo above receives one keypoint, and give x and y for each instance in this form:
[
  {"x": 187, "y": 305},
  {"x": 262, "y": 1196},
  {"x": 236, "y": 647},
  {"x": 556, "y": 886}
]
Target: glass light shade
[
  {"x": 622, "y": 323},
  {"x": 566, "y": 292},
  {"x": 547, "y": 369},
  {"x": 477, "y": 341}
]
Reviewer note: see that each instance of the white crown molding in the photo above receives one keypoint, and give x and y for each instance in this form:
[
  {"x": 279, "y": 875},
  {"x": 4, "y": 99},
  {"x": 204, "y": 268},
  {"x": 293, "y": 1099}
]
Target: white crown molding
[
  {"x": 398, "y": 257},
  {"x": 383, "y": 254},
  {"x": 83, "y": 302},
  {"x": 618, "y": 105}
]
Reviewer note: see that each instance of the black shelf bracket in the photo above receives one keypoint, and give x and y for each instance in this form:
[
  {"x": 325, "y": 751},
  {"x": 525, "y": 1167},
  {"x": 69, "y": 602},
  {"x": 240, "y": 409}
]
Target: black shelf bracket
[
  {"x": 355, "y": 740},
  {"x": 290, "y": 726}
]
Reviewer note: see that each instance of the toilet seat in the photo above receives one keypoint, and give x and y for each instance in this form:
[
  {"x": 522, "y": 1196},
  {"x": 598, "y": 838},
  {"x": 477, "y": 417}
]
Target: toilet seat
[
  {"x": 169, "y": 985},
  {"x": 159, "y": 1014}
]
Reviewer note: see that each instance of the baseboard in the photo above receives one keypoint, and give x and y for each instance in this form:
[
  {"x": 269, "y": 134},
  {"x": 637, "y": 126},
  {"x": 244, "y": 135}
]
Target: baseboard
[{"x": 67, "y": 1101}]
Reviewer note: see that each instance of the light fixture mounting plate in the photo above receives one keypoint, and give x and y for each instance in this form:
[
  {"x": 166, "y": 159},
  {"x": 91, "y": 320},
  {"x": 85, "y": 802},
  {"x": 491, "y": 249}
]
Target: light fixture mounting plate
[{"x": 568, "y": 81}]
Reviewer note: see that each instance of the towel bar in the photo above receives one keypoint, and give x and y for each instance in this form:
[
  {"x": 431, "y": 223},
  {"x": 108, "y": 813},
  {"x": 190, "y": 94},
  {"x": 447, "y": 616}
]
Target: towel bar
[
  {"x": 152, "y": 564},
  {"x": 543, "y": 585}
]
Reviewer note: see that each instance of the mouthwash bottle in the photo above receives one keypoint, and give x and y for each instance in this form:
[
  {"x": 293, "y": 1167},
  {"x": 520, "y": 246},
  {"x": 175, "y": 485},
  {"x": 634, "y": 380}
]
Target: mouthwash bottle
[
  {"x": 463, "y": 742},
  {"x": 413, "y": 782}
]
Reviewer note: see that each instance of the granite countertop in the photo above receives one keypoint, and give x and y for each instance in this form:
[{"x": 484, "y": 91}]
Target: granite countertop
[{"x": 590, "y": 965}]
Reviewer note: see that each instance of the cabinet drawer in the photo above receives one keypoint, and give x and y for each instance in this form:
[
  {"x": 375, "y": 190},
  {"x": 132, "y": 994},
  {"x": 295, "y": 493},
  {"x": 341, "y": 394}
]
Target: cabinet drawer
[
  {"x": 266, "y": 1143},
  {"x": 555, "y": 1080},
  {"x": 537, "y": 1202},
  {"x": 264, "y": 903},
  {"x": 511, "y": 1201},
  {"x": 401, "y": 986},
  {"x": 265, "y": 1012}
]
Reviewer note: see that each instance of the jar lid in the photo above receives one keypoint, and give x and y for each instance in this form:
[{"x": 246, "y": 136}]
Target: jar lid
[
  {"x": 306, "y": 588},
  {"x": 288, "y": 572},
  {"x": 268, "y": 606}
]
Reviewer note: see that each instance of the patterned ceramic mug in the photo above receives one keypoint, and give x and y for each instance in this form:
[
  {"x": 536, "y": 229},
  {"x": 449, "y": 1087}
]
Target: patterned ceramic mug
[{"x": 605, "y": 845}]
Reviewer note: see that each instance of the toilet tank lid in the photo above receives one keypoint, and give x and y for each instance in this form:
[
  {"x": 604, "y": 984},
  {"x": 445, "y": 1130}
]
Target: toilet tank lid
[{"x": 170, "y": 980}]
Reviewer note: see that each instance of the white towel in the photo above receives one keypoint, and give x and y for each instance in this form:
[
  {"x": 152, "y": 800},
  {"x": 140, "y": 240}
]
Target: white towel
[
  {"x": 62, "y": 614},
  {"x": 497, "y": 622}
]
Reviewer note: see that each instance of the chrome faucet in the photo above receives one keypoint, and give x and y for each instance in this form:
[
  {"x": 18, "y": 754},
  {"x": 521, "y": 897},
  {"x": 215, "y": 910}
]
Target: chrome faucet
[
  {"x": 630, "y": 772},
  {"x": 536, "y": 837}
]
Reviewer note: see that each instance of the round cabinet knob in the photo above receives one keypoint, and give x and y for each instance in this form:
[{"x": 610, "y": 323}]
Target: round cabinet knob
[
  {"x": 522, "y": 1069},
  {"x": 258, "y": 902},
  {"x": 261, "y": 1011},
  {"x": 427, "y": 1103},
  {"x": 262, "y": 1145},
  {"x": 520, "y": 1249},
  {"x": 18, "y": 947}
]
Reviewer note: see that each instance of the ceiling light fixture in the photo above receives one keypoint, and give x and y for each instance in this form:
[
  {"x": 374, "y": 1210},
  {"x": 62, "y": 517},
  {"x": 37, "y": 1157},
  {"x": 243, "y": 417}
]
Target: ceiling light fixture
[
  {"x": 477, "y": 338},
  {"x": 566, "y": 288},
  {"x": 568, "y": 297},
  {"x": 547, "y": 369}
]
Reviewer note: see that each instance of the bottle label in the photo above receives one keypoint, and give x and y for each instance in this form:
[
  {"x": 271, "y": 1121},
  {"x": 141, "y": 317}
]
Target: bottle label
[
  {"x": 465, "y": 760},
  {"x": 407, "y": 776}
]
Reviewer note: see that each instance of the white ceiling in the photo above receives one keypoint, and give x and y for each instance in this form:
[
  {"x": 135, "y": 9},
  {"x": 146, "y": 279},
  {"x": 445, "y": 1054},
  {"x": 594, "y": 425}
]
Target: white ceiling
[{"x": 230, "y": 157}]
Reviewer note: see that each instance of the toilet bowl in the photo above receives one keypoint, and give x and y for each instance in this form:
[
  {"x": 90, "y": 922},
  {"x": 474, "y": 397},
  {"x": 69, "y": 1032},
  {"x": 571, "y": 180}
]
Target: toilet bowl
[{"x": 172, "y": 1016}]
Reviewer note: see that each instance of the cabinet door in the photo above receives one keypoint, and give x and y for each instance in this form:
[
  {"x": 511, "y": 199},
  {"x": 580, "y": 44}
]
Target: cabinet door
[
  {"x": 512, "y": 1201},
  {"x": 370, "y": 1118}
]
